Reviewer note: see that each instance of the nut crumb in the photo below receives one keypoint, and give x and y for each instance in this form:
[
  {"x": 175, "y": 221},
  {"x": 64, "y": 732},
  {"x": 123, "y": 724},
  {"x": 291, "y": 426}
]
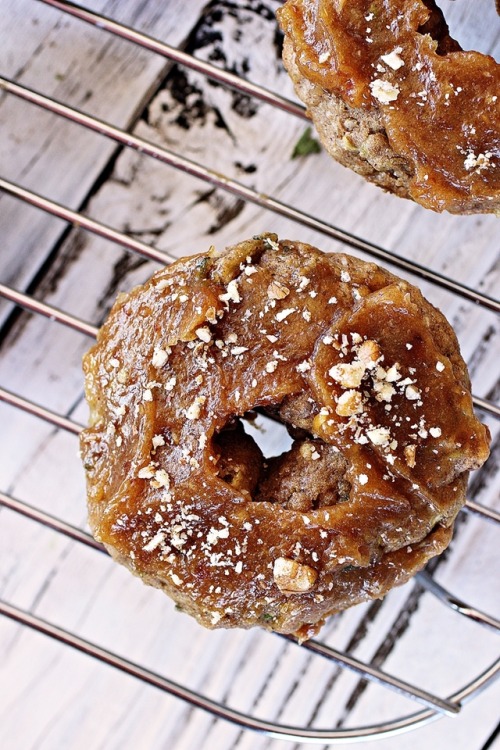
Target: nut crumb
[
  {"x": 292, "y": 577},
  {"x": 275, "y": 290},
  {"x": 410, "y": 455},
  {"x": 384, "y": 91}
]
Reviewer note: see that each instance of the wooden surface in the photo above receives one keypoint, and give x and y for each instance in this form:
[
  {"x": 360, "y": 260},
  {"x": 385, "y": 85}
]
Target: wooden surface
[{"x": 53, "y": 697}]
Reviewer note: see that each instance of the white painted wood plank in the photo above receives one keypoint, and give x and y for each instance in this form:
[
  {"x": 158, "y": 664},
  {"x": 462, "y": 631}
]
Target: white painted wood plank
[{"x": 84, "y": 67}]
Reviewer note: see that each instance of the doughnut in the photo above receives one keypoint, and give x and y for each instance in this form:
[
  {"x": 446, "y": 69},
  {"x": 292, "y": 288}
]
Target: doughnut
[
  {"x": 365, "y": 375},
  {"x": 395, "y": 98}
]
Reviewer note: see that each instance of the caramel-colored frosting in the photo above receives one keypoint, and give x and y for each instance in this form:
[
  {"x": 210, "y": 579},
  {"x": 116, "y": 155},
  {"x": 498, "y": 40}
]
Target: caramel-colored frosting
[
  {"x": 364, "y": 372},
  {"x": 440, "y": 106}
]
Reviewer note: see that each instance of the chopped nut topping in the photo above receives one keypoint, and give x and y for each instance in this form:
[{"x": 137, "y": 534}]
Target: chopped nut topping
[
  {"x": 272, "y": 243},
  {"x": 412, "y": 393},
  {"x": 393, "y": 375},
  {"x": 369, "y": 353},
  {"x": 479, "y": 162},
  {"x": 309, "y": 452},
  {"x": 303, "y": 366},
  {"x": 383, "y": 391},
  {"x": 350, "y": 402},
  {"x": 292, "y": 577},
  {"x": 348, "y": 375},
  {"x": 194, "y": 411},
  {"x": 163, "y": 284},
  {"x": 345, "y": 276},
  {"x": 275, "y": 290},
  {"x": 155, "y": 542},
  {"x": 211, "y": 315},
  {"x": 214, "y": 535},
  {"x": 304, "y": 281},
  {"x": 147, "y": 472},
  {"x": 157, "y": 441},
  {"x": 204, "y": 334},
  {"x": 410, "y": 452},
  {"x": 393, "y": 60},
  {"x": 232, "y": 293},
  {"x": 284, "y": 313},
  {"x": 170, "y": 384},
  {"x": 384, "y": 91},
  {"x": 161, "y": 479},
  {"x": 160, "y": 356},
  {"x": 379, "y": 435}
]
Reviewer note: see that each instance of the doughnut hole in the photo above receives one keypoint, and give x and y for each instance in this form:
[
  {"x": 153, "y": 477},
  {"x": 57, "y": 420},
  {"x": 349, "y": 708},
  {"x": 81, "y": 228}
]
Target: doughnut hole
[
  {"x": 240, "y": 460},
  {"x": 308, "y": 476},
  {"x": 456, "y": 12},
  {"x": 438, "y": 30}
]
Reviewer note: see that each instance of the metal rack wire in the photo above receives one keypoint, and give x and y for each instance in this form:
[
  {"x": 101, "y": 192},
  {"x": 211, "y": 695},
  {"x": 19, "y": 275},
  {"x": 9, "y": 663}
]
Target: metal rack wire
[{"x": 432, "y": 706}]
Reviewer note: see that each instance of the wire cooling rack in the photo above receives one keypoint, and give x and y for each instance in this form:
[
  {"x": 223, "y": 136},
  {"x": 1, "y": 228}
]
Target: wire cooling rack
[{"x": 429, "y": 705}]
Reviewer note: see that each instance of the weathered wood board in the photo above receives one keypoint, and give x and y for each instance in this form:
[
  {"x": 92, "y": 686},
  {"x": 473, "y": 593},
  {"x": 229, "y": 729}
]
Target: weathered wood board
[{"x": 53, "y": 697}]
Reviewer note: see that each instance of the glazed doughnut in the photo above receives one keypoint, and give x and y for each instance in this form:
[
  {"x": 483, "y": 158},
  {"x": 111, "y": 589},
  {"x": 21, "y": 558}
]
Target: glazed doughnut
[
  {"x": 365, "y": 374},
  {"x": 394, "y": 98}
]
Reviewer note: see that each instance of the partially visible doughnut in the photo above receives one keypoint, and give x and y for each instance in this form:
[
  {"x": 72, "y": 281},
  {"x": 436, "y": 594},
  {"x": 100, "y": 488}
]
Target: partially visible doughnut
[
  {"x": 363, "y": 371},
  {"x": 394, "y": 98}
]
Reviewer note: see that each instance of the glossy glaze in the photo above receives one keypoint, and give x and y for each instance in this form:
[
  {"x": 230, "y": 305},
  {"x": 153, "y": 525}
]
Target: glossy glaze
[{"x": 284, "y": 327}]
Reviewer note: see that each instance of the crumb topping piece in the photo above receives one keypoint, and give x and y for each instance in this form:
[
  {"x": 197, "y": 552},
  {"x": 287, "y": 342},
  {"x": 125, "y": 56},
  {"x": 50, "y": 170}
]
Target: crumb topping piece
[
  {"x": 292, "y": 577},
  {"x": 384, "y": 90}
]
